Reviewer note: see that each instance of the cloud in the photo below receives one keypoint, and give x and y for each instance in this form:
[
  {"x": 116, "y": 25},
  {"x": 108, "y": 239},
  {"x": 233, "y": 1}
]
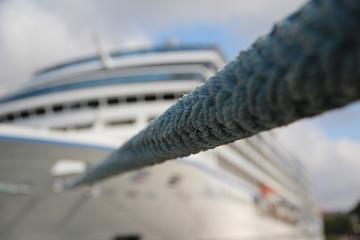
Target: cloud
[
  {"x": 343, "y": 122},
  {"x": 333, "y": 163},
  {"x": 33, "y": 37},
  {"x": 37, "y": 33}
]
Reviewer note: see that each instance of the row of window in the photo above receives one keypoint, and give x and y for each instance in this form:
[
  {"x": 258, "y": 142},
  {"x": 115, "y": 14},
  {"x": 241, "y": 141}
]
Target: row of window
[
  {"x": 111, "y": 123},
  {"x": 91, "y": 103},
  {"x": 236, "y": 170},
  {"x": 281, "y": 210},
  {"x": 291, "y": 168},
  {"x": 44, "y": 90},
  {"x": 255, "y": 161},
  {"x": 257, "y": 164},
  {"x": 74, "y": 127}
]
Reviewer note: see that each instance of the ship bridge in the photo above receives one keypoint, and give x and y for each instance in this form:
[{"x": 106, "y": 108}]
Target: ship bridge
[
  {"x": 146, "y": 65},
  {"x": 86, "y": 95}
]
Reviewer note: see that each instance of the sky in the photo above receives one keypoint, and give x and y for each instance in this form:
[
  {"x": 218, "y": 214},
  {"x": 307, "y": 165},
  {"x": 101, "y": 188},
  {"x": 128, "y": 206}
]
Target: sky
[{"x": 35, "y": 34}]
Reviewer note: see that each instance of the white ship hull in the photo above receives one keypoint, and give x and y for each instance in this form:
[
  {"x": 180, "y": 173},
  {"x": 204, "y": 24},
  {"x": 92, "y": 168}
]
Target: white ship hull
[
  {"x": 182, "y": 199},
  {"x": 73, "y": 116}
]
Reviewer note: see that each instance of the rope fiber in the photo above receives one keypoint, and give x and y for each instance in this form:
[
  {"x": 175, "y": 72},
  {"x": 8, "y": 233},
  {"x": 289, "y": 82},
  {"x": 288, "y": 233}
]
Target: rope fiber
[{"x": 307, "y": 64}]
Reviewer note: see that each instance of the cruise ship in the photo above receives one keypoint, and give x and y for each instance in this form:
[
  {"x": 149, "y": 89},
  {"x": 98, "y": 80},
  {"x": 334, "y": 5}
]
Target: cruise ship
[{"x": 70, "y": 116}]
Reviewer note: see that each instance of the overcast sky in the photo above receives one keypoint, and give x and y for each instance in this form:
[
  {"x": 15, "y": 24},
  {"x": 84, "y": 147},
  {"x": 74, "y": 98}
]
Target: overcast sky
[{"x": 37, "y": 33}]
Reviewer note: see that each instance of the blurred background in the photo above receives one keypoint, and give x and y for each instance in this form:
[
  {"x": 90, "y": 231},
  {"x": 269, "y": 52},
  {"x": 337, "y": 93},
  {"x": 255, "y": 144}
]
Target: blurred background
[{"x": 38, "y": 33}]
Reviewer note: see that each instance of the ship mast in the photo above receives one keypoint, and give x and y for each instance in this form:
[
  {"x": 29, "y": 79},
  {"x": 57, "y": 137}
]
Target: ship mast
[{"x": 104, "y": 55}]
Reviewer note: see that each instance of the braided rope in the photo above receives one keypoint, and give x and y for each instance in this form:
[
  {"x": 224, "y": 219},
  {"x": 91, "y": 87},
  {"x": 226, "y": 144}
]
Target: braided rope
[{"x": 307, "y": 64}]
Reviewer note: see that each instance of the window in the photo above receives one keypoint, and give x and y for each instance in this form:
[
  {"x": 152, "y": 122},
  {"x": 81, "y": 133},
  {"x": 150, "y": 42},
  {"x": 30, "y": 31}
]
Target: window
[
  {"x": 58, "y": 108},
  {"x": 169, "y": 96},
  {"x": 75, "y": 105},
  {"x": 150, "y": 119},
  {"x": 82, "y": 126},
  {"x": 59, "y": 128},
  {"x": 127, "y": 237},
  {"x": 10, "y": 117},
  {"x": 113, "y": 101},
  {"x": 131, "y": 99},
  {"x": 120, "y": 122},
  {"x": 174, "y": 180},
  {"x": 150, "y": 97},
  {"x": 93, "y": 103},
  {"x": 24, "y": 114}
]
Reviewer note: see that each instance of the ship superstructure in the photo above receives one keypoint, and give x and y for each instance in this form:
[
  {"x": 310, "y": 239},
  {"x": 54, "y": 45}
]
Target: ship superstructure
[
  {"x": 250, "y": 189},
  {"x": 84, "y": 95}
]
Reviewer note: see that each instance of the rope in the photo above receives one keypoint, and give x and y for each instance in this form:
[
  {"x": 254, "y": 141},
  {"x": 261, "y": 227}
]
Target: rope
[{"x": 307, "y": 64}]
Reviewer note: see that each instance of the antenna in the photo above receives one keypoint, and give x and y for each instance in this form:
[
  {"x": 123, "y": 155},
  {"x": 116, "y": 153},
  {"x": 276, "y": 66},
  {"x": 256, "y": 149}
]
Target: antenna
[{"x": 104, "y": 56}]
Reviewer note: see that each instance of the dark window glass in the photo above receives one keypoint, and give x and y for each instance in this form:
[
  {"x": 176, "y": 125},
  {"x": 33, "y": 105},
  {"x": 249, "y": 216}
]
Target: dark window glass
[
  {"x": 121, "y": 122},
  {"x": 150, "y": 97},
  {"x": 24, "y": 114},
  {"x": 131, "y": 99},
  {"x": 10, "y": 117},
  {"x": 75, "y": 105},
  {"x": 58, "y": 108},
  {"x": 59, "y": 128},
  {"x": 40, "y": 111},
  {"x": 93, "y": 103},
  {"x": 169, "y": 96},
  {"x": 127, "y": 237},
  {"x": 150, "y": 119},
  {"x": 113, "y": 101},
  {"x": 174, "y": 180},
  {"x": 83, "y": 126}
]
